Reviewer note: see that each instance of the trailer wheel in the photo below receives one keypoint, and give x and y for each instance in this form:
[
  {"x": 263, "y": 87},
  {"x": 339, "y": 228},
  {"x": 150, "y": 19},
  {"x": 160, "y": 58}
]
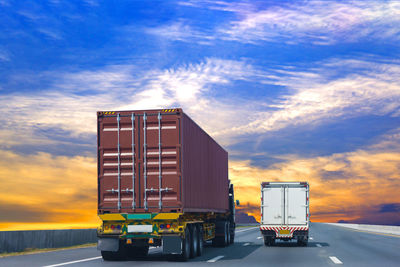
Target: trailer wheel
[
  {"x": 302, "y": 241},
  {"x": 220, "y": 240},
  {"x": 110, "y": 255},
  {"x": 232, "y": 235},
  {"x": 228, "y": 235},
  {"x": 186, "y": 241},
  {"x": 223, "y": 241},
  {"x": 118, "y": 255},
  {"x": 266, "y": 241},
  {"x": 269, "y": 241},
  {"x": 194, "y": 244},
  {"x": 201, "y": 241},
  {"x": 138, "y": 252}
]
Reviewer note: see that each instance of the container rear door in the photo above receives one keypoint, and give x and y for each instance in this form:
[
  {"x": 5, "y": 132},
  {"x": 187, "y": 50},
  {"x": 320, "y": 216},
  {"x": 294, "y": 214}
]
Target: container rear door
[
  {"x": 139, "y": 162},
  {"x": 272, "y": 208},
  {"x": 160, "y": 162},
  {"x": 296, "y": 208}
]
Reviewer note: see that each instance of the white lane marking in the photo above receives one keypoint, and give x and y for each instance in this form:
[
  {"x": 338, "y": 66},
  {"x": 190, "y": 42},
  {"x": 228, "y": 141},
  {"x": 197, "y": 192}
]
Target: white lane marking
[
  {"x": 259, "y": 237},
  {"x": 246, "y": 229},
  {"x": 72, "y": 262},
  {"x": 319, "y": 245},
  {"x": 335, "y": 260},
  {"x": 311, "y": 238},
  {"x": 215, "y": 259},
  {"x": 246, "y": 244}
]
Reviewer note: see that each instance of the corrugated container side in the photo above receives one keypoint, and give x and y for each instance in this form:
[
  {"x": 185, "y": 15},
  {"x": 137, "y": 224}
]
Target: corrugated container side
[
  {"x": 205, "y": 170},
  {"x": 194, "y": 167}
]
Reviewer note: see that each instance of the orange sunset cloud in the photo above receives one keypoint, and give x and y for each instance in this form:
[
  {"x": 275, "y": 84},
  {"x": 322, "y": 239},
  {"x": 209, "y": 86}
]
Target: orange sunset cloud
[
  {"x": 51, "y": 192},
  {"x": 352, "y": 186}
]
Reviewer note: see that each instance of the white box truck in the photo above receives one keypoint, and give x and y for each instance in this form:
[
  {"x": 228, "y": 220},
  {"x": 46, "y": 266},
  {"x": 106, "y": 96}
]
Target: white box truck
[{"x": 285, "y": 212}]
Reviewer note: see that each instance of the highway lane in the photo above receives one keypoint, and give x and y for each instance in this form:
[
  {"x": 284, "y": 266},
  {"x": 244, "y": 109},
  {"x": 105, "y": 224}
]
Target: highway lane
[{"x": 330, "y": 246}]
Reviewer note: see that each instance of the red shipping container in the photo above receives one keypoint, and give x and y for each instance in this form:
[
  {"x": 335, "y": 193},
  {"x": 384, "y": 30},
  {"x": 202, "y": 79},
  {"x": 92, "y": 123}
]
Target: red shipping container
[{"x": 175, "y": 165}]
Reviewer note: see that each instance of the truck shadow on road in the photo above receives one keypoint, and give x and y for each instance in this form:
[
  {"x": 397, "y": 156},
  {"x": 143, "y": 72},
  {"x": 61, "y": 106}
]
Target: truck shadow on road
[
  {"x": 233, "y": 252},
  {"x": 294, "y": 244},
  {"x": 238, "y": 250}
]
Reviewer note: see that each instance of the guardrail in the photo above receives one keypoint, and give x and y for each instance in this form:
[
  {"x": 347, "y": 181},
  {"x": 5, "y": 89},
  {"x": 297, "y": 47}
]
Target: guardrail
[
  {"x": 384, "y": 229},
  {"x": 16, "y": 241}
]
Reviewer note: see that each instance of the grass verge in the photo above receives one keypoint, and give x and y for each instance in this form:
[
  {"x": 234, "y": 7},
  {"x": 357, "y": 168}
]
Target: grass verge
[
  {"x": 28, "y": 251},
  {"x": 247, "y": 225}
]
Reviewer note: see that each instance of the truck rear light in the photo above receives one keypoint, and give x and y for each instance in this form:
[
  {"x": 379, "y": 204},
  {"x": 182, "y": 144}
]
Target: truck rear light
[
  {"x": 106, "y": 227},
  {"x": 168, "y": 226},
  {"x": 162, "y": 226},
  {"x": 118, "y": 227},
  {"x": 112, "y": 227}
]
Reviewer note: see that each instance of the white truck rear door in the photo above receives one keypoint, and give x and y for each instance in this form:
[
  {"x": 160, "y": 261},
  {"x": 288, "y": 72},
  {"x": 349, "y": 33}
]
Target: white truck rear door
[
  {"x": 272, "y": 205},
  {"x": 296, "y": 201}
]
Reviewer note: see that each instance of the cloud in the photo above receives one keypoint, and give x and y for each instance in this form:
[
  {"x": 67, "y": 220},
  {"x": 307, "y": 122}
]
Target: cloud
[
  {"x": 11, "y": 212},
  {"x": 47, "y": 189},
  {"x": 57, "y": 190},
  {"x": 318, "y": 22},
  {"x": 33, "y": 16},
  {"x": 50, "y": 33},
  {"x": 322, "y": 94},
  {"x": 367, "y": 180},
  {"x": 368, "y": 174},
  {"x": 92, "y": 3},
  {"x": 4, "y": 55},
  {"x": 314, "y": 95},
  {"x": 180, "y": 31},
  {"x": 70, "y": 104},
  {"x": 390, "y": 207}
]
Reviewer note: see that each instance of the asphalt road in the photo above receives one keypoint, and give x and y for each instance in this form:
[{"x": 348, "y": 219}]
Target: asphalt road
[{"x": 330, "y": 245}]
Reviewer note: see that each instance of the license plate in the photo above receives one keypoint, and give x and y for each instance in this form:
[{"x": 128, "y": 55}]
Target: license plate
[
  {"x": 140, "y": 228},
  {"x": 284, "y": 232}
]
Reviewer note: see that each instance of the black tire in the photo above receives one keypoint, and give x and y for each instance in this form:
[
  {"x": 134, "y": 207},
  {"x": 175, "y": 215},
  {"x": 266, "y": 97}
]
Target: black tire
[
  {"x": 201, "y": 241},
  {"x": 228, "y": 234},
  {"x": 269, "y": 241},
  {"x": 108, "y": 255},
  {"x": 302, "y": 241},
  {"x": 232, "y": 235},
  {"x": 215, "y": 242},
  {"x": 185, "y": 255},
  {"x": 266, "y": 241},
  {"x": 221, "y": 239},
  {"x": 138, "y": 252},
  {"x": 118, "y": 255},
  {"x": 194, "y": 244},
  {"x": 299, "y": 241}
]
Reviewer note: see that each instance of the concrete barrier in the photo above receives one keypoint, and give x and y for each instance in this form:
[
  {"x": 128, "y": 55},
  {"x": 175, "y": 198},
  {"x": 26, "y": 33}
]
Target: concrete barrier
[
  {"x": 384, "y": 229},
  {"x": 16, "y": 241}
]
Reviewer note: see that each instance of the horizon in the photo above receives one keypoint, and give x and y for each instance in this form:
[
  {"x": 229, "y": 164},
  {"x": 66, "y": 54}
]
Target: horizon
[{"x": 294, "y": 91}]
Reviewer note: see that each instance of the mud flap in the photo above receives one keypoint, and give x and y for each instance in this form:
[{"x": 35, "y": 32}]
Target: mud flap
[
  {"x": 172, "y": 244},
  {"x": 108, "y": 244}
]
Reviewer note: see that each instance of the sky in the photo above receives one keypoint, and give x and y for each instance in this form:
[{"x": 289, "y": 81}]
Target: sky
[{"x": 293, "y": 90}]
